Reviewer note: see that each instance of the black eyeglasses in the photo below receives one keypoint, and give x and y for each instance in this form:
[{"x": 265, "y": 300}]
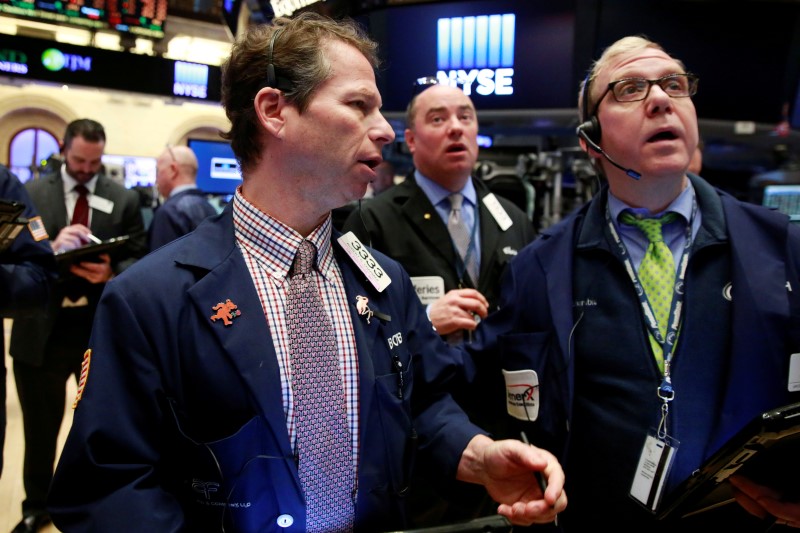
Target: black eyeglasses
[{"x": 637, "y": 89}]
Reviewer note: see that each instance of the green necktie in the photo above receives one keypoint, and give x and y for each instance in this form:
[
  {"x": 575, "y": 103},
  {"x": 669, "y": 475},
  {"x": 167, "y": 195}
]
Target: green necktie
[{"x": 656, "y": 273}]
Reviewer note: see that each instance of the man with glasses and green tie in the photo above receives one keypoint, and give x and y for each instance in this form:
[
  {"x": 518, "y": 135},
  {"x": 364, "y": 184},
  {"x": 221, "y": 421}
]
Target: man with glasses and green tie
[{"x": 642, "y": 332}]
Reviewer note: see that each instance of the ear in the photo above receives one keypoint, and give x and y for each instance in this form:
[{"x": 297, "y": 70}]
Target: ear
[
  {"x": 410, "y": 140},
  {"x": 269, "y": 104}
]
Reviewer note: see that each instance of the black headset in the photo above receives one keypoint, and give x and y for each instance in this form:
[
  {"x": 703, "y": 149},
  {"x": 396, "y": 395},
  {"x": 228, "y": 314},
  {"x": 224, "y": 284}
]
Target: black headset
[
  {"x": 590, "y": 132},
  {"x": 272, "y": 79},
  {"x": 590, "y": 125}
]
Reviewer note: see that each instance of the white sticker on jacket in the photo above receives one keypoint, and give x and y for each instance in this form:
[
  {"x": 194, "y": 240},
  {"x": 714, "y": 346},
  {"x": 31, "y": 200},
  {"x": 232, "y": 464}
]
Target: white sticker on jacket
[
  {"x": 522, "y": 394},
  {"x": 794, "y": 373}
]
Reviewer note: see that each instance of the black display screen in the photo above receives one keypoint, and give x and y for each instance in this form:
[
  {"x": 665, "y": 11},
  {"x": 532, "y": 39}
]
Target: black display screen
[{"x": 37, "y": 59}]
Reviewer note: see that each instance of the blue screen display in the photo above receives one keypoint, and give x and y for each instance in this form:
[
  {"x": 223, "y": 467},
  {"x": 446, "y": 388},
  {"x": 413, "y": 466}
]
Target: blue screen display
[{"x": 217, "y": 169}]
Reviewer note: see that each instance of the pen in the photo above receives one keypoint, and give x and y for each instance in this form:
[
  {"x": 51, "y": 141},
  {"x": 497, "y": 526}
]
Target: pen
[
  {"x": 539, "y": 476},
  {"x": 94, "y": 239}
]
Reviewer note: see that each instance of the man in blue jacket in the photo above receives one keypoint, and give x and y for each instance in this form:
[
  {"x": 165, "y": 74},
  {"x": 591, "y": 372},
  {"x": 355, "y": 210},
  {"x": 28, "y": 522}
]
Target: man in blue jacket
[
  {"x": 27, "y": 269},
  {"x": 592, "y": 373},
  {"x": 188, "y": 416},
  {"x": 185, "y": 206}
]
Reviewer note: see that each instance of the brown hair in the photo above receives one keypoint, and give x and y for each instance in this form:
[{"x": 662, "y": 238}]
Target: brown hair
[{"x": 300, "y": 66}]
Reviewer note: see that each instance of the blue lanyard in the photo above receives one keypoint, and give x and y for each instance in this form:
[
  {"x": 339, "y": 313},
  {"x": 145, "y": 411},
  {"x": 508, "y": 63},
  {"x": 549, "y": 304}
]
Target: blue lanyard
[{"x": 665, "y": 391}]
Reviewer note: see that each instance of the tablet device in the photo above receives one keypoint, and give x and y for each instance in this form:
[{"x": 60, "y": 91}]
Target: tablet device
[
  {"x": 91, "y": 251},
  {"x": 488, "y": 524},
  {"x": 11, "y": 224},
  {"x": 765, "y": 450}
]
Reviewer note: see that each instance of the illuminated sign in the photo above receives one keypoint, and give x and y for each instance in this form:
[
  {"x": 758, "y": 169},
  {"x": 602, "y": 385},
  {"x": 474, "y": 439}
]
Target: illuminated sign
[
  {"x": 39, "y": 59},
  {"x": 55, "y": 60},
  {"x": 477, "y": 53},
  {"x": 191, "y": 79},
  {"x": 13, "y": 61},
  {"x": 284, "y": 8}
]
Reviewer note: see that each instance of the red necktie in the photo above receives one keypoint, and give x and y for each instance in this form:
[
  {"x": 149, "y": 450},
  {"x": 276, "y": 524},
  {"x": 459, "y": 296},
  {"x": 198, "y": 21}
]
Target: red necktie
[{"x": 81, "y": 213}]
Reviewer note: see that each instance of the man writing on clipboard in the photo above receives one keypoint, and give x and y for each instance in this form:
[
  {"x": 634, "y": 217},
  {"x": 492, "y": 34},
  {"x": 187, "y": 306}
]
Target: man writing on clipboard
[{"x": 79, "y": 205}]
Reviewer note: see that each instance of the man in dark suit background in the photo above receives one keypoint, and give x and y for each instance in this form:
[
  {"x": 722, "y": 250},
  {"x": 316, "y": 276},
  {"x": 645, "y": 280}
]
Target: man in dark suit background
[
  {"x": 47, "y": 349},
  {"x": 409, "y": 223},
  {"x": 185, "y": 206}
]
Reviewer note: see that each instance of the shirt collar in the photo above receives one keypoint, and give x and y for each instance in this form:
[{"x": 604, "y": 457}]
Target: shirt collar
[
  {"x": 70, "y": 182},
  {"x": 681, "y": 205},
  {"x": 181, "y": 188},
  {"x": 273, "y": 243},
  {"x": 436, "y": 193}
]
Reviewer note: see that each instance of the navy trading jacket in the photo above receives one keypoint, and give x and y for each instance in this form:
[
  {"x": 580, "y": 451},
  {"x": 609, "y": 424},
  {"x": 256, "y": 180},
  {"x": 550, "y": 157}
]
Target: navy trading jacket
[
  {"x": 180, "y": 425},
  {"x": 567, "y": 302}
]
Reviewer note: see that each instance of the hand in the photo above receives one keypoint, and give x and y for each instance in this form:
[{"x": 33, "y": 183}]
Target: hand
[
  {"x": 71, "y": 237},
  {"x": 93, "y": 271},
  {"x": 763, "y": 501},
  {"x": 457, "y": 310},
  {"x": 507, "y": 469}
]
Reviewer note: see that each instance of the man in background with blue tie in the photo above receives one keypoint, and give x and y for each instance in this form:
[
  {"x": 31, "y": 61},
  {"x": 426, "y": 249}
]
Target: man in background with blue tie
[
  {"x": 275, "y": 375},
  {"x": 76, "y": 201},
  {"x": 654, "y": 323},
  {"x": 455, "y": 239}
]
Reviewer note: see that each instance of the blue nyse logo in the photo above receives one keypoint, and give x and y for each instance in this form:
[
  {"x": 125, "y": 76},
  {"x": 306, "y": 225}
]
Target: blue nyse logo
[
  {"x": 191, "y": 79},
  {"x": 477, "y": 53}
]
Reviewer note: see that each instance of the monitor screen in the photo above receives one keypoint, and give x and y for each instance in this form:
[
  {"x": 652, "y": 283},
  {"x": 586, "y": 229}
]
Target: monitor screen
[
  {"x": 131, "y": 170},
  {"x": 505, "y": 54},
  {"x": 142, "y": 18},
  {"x": 217, "y": 169}
]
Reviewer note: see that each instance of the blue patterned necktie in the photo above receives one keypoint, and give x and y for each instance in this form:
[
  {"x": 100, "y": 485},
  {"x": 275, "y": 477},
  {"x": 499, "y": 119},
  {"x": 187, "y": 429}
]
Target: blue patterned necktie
[
  {"x": 324, "y": 445},
  {"x": 656, "y": 273},
  {"x": 461, "y": 236}
]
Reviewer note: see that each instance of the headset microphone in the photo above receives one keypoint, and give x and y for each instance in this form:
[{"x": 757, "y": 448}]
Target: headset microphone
[{"x": 591, "y": 126}]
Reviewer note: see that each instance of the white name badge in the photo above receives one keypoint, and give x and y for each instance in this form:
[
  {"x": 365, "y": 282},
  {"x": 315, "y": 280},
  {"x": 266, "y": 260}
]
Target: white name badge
[
  {"x": 101, "y": 204},
  {"x": 429, "y": 288},
  {"x": 651, "y": 473},
  {"x": 522, "y": 394},
  {"x": 794, "y": 372},
  {"x": 500, "y": 216},
  {"x": 364, "y": 261}
]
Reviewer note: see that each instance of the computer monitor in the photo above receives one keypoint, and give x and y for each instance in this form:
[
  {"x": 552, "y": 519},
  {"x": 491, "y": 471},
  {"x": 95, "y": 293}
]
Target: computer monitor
[
  {"x": 131, "y": 170},
  {"x": 217, "y": 169}
]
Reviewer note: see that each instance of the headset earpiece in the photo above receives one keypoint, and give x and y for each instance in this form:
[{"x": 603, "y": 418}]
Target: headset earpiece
[
  {"x": 590, "y": 126},
  {"x": 272, "y": 79}
]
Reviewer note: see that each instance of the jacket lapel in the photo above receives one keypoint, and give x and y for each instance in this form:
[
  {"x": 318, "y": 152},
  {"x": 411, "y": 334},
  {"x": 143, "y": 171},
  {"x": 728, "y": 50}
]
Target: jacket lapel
[{"x": 247, "y": 340}]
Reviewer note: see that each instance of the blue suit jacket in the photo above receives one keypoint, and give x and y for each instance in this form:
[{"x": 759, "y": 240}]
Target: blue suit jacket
[
  {"x": 541, "y": 315},
  {"x": 181, "y": 423},
  {"x": 178, "y": 215}
]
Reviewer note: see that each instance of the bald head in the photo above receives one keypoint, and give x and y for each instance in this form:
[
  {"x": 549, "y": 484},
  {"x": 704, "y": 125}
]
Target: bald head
[{"x": 177, "y": 165}]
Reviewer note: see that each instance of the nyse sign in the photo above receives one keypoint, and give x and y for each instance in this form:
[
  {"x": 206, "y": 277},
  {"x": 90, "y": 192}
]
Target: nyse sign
[
  {"x": 477, "y": 53},
  {"x": 484, "y": 81}
]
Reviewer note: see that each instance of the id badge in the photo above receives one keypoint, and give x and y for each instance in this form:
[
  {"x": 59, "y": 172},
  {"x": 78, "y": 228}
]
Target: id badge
[{"x": 655, "y": 462}]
